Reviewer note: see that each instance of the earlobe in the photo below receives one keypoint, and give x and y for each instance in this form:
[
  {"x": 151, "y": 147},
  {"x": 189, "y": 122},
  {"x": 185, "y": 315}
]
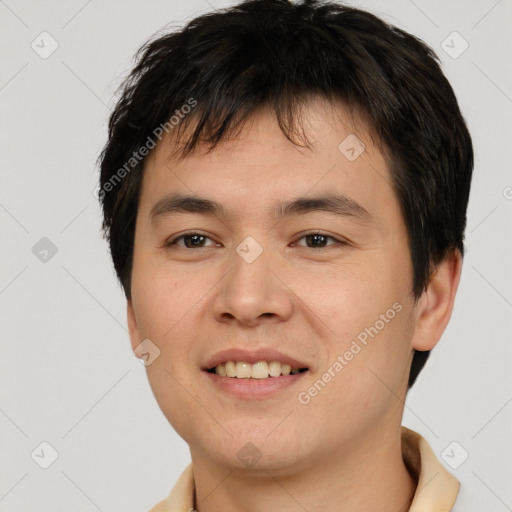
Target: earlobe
[
  {"x": 132, "y": 325},
  {"x": 436, "y": 304}
]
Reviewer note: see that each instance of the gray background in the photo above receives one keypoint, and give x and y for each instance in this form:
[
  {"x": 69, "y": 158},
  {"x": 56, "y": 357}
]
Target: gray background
[{"x": 68, "y": 376}]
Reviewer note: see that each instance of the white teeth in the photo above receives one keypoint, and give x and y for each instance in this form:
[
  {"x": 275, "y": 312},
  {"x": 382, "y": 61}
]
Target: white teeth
[
  {"x": 274, "y": 369},
  {"x": 220, "y": 370},
  {"x": 230, "y": 369},
  {"x": 259, "y": 370},
  {"x": 285, "y": 369},
  {"x": 243, "y": 370}
]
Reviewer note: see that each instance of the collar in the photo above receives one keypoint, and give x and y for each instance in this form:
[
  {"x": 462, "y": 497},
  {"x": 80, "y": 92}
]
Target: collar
[{"x": 436, "y": 490}]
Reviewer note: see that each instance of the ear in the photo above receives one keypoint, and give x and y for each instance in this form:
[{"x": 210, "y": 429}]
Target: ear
[
  {"x": 436, "y": 304},
  {"x": 132, "y": 327}
]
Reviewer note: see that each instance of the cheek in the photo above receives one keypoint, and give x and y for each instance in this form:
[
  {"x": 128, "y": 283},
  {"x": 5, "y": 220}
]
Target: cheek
[
  {"x": 347, "y": 296},
  {"x": 369, "y": 314},
  {"x": 165, "y": 306},
  {"x": 162, "y": 297},
  {"x": 362, "y": 380}
]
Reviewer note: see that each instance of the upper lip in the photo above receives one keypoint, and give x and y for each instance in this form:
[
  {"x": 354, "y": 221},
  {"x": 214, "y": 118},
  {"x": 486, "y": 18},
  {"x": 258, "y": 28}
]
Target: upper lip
[{"x": 252, "y": 356}]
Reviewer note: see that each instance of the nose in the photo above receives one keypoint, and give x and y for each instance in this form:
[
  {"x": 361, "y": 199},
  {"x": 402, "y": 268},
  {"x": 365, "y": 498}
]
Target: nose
[{"x": 254, "y": 290}]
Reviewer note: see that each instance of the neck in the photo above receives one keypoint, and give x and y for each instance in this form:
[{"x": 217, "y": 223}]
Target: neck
[{"x": 367, "y": 476}]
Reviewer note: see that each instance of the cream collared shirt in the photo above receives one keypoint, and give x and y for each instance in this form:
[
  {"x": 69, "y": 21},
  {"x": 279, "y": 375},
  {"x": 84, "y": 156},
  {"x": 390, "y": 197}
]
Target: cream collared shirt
[{"x": 436, "y": 491}]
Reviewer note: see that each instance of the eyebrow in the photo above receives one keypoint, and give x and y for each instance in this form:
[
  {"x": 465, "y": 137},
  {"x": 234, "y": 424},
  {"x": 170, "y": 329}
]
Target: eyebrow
[{"x": 337, "y": 204}]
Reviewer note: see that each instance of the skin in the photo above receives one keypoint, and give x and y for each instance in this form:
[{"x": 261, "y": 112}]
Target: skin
[{"x": 341, "y": 451}]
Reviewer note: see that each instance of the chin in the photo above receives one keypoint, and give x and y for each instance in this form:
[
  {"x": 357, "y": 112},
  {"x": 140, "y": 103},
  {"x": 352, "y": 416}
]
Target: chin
[{"x": 257, "y": 448}]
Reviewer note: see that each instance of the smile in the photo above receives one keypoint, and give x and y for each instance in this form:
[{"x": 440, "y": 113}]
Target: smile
[{"x": 258, "y": 370}]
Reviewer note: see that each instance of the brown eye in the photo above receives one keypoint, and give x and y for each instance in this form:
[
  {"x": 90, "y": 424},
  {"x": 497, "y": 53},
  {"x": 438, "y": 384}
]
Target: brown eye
[
  {"x": 191, "y": 240},
  {"x": 319, "y": 240}
]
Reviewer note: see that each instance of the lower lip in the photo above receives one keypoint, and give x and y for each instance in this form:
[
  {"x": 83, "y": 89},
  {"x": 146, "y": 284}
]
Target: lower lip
[{"x": 252, "y": 389}]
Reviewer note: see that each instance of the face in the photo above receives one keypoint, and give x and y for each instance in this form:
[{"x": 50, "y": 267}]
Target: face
[{"x": 320, "y": 288}]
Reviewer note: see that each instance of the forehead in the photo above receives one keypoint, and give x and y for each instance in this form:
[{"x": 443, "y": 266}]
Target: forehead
[
  {"x": 259, "y": 165},
  {"x": 317, "y": 122}
]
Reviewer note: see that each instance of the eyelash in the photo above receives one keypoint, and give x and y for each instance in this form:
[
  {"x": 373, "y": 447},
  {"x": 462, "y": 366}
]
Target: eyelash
[{"x": 173, "y": 241}]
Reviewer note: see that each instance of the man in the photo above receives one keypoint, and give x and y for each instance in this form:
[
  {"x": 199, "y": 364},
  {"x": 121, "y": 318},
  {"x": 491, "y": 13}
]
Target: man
[{"x": 284, "y": 192}]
